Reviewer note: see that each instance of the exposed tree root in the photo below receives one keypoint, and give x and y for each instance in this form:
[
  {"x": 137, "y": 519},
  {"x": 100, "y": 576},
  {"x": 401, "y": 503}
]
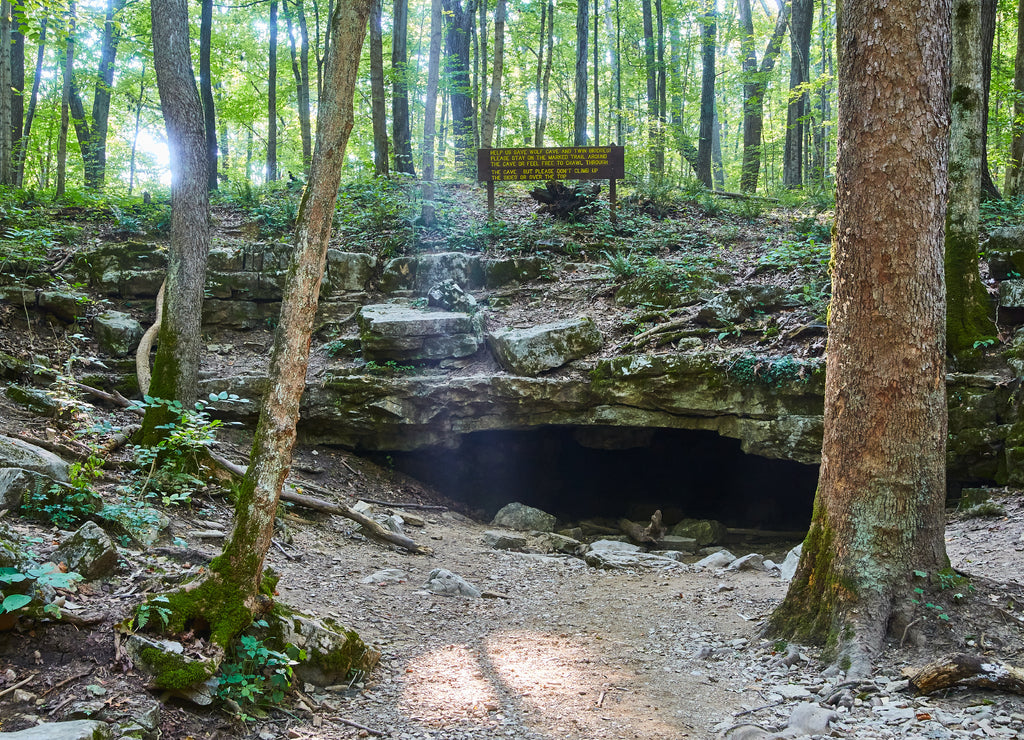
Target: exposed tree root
[{"x": 142, "y": 369}]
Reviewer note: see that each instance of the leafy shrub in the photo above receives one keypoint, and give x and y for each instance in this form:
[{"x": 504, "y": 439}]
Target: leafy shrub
[
  {"x": 66, "y": 505},
  {"x": 16, "y": 581},
  {"x": 255, "y": 676},
  {"x": 770, "y": 371}
]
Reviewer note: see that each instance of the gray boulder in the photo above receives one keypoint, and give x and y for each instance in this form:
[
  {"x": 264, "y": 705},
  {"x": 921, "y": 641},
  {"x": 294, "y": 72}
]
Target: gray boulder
[
  {"x": 500, "y": 540},
  {"x": 16, "y": 484},
  {"x": 348, "y": 271},
  {"x": 449, "y": 296},
  {"x": 717, "y": 560},
  {"x": 524, "y": 518},
  {"x": 1011, "y": 294},
  {"x": 538, "y": 348},
  {"x": 332, "y": 651},
  {"x": 753, "y": 561},
  {"x": 14, "y": 453},
  {"x": 561, "y": 543},
  {"x": 117, "y": 333},
  {"x": 394, "y": 332},
  {"x": 678, "y": 543},
  {"x": 82, "y": 729},
  {"x": 446, "y": 583},
  {"x": 165, "y": 662},
  {"x": 1005, "y": 252},
  {"x": 387, "y": 575},
  {"x": 64, "y": 306},
  {"x": 788, "y": 567},
  {"x": 89, "y": 551},
  {"x": 612, "y": 558}
]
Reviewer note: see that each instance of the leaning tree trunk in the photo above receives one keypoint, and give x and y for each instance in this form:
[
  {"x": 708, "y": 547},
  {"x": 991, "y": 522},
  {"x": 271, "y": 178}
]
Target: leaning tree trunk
[
  {"x": 878, "y": 513},
  {"x": 966, "y": 298},
  {"x": 176, "y": 367},
  {"x": 235, "y": 575}
]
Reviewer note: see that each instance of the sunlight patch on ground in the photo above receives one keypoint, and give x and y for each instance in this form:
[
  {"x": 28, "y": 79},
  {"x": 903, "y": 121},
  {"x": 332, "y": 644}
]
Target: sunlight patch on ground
[{"x": 447, "y": 687}]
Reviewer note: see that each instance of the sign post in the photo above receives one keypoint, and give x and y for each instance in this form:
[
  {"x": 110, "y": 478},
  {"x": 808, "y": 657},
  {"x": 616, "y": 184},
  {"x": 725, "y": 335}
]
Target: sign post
[{"x": 553, "y": 163}]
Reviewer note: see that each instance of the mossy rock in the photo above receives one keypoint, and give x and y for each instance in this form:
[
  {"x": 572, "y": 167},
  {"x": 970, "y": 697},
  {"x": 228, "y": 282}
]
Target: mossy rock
[{"x": 333, "y": 653}]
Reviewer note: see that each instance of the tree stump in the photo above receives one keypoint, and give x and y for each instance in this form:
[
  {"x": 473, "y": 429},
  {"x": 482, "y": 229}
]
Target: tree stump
[{"x": 564, "y": 202}]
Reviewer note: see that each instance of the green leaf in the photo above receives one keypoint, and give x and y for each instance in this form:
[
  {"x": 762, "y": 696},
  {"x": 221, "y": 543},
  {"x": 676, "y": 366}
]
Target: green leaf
[
  {"x": 14, "y": 602},
  {"x": 921, "y": 574}
]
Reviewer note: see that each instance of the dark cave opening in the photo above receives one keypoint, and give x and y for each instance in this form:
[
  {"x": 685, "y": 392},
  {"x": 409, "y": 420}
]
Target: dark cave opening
[{"x": 579, "y": 473}]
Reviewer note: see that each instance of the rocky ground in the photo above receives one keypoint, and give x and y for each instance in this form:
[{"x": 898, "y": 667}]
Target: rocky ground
[{"x": 554, "y": 647}]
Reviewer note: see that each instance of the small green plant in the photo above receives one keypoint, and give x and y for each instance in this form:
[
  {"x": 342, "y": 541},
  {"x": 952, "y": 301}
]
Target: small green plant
[
  {"x": 985, "y": 342},
  {"x": 986, "y": 509},
  {"x": 66, "y": 505},
  {"x": 620, "y": 265},
  {"x": 155, "y": 607},
  {"x": 29, "y": 579},
  {"x": 335, "y": 347},
  {"x": 389, "y": 367},
  {"x": 256, "y": 677},
  {"x": 770, "y": 371}
]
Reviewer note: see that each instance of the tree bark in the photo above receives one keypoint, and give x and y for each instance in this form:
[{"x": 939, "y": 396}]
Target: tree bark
[
  {"x": 708, "y": 33},
  {"x": 240, "y": 566},
  {"x": 799, "y": 75},
  {"x": 21, "y": 150},
  {"x": 459, "y": 21},
  {"x": 176, "y": 366},
  {"x": 653, "y": 143},
  {"x": 579, "y": 120},
  {"x": 427, "y": 214},
  {"x": 878, "y": 513},
  {"x": 272, "y": 97},
  {"x": 378, "y": 115},
  {"x": 966, "y": 298},
  {"x": 988, "y": 33},
  {"x": 659, "y": 138},
  {"x": 6, "y": 98},
  {"x": 300, "y": 70},
  {"x": 755, "y": 87},
  {"x": 65, "y": 101},
  {"x": 1015, "y": 167},
  {"x": 17, "y": 91},
  {"x": 206, "y": 91},
  {"x": 542, "y": 114},
  {"x": 96, "y": 166},
  {"x": 499, "y": 64},
  {"x": 401, "y": 130}
]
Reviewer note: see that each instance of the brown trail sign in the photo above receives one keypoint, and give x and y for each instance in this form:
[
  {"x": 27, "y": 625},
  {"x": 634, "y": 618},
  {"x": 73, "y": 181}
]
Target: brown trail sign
[{"x": 551, "y": 163}]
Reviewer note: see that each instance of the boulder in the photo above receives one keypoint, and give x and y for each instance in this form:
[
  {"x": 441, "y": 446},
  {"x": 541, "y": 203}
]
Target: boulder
[
  {"x": 347, "y": 271},
  {"x": 400, "y": 333},
  {"x": 34, "y": 399},
  {"x": 422, "y": 272},
  {"x": 788, "y": 567},
  {"x": 61, "y": 305},
  {"x": 14, "y": 453},
  {"x": 501, "y": 272},
  {"x": 704, "y": 531},
  {"x": 753, "y": 561},
  {"x": 716, "y": 560},
  {"x": 1005, "y": 252},
  {"x": 613, "y": 546},
  {"x": 387, "y": 575},
  {"x": 89, "y": 551},
  {"x": 524, "y": 518},
  {"x": 501, "y": 540},
  {"x": 561, "y": 543},
  {"x": 168, "y": 668},
  {"x": 677, "y": 543},
  {"x": 1011, "y": 294},
  {"x": 117, "y": 333},
  {"x": 333, "y": 653},
  {"x": 448, "y": 295},
  {"x": 76, "y": 730},
  {"x": 738, "y": 304},
  {"x": 446, "y": 583},
  {"x": 614, "y": 559},
  {"x": 538, "y": 348}
]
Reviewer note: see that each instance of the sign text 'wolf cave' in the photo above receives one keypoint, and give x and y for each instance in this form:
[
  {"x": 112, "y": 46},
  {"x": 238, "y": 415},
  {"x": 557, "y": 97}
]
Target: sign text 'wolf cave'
[{"x": 553, "y": 163}]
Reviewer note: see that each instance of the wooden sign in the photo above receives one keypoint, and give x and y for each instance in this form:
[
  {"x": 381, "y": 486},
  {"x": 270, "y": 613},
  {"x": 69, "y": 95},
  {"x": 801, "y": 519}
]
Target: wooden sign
[{"x": 552, "y": 163}]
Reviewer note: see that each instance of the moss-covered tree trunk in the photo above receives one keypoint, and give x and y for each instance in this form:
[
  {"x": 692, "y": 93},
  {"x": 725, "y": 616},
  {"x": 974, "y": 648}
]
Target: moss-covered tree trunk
[
  {"x": 228, "y": 599},
  {"x": 176, "y": 367},
  {"x": 878, "y": 514},
  {"x": 967, "y": 300}
]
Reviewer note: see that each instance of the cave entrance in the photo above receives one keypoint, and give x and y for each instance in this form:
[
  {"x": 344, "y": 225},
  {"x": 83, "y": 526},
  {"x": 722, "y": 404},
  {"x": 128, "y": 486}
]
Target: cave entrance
[{"x": 579, "y": 473}]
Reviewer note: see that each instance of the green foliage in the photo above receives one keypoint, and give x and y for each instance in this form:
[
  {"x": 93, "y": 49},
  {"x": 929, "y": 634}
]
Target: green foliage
[
  {"x": 620, "y": 265},
  {"x": 66, "y": 505},
  {"x": 810, "y": 254},
  {"x": 155, "y": 607},
  {"x": 388, "y": 367},
  {"x": 986, "y": 509},
  {"x": 15, "y": 581},
  {"x": 256, "y": 677},
  {"x": 996, "y": 213},
  {"x": 173, "y": 460},
  {"x": 375, "y": 214},
  {"x": 771, "y": 371}
]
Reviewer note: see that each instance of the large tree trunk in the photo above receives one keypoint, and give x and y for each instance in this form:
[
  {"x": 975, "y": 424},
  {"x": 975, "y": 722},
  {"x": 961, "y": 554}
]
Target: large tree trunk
[
  {"x": 755, "y": 87},
  {"x": 402, "y": 133},
  {"x": 651, "y": 74},
  {"x": 659, "y": 138},
  {"x": 6, "y": 99},
  {"x": 967, "y": 300},
  {"x": 17, "y": 91},
  {"x": 96, "y": 166},
  {"x": 878, "y": 514},
  {"x": 1015, "y": 167},
  {"x": 988, "y": 34},
  {"x": 21, "y": 150},
  {"x": 176, "y": 367},
  {"x": 460, "y": 30},
  {"x": 300, "y": 70},
  {"x": 240, "y": 567},
  {"x": 799, "y": 74},
  {"x": 206, "y": 91},
  {"x": 707, "y": 93},
  {"x": 272, "y": 97},
  {"x": 542, "y": 113},
  {"x": 378, "y": 115},
  {"x": 597, "y": 76},
  {"x": 67, "y": 70},
  {"x": 430, "y": 111},
  {"x": 579, "y": 120},
  {"x": 499, "y": 63}
]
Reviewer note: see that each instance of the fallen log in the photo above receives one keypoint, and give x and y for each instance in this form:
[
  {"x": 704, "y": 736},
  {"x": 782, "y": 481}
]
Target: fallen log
[
  {"x": 970, "y": 670},
  {"x": 370, "y": 527},
  {"x": 652, "y": 533}
]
